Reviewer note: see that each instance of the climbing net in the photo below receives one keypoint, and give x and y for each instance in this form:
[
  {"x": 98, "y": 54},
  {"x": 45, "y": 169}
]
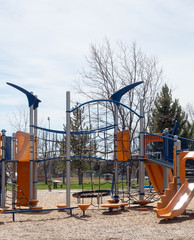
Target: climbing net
[{"x": 92, "y": 148}]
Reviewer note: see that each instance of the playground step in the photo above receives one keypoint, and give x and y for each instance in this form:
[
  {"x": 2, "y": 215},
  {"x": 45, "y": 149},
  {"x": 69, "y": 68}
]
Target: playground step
[
  {"x": 172, "y": 185},
  {"x": 83, "y": 207},
  {"x": 33, "y": 202},
  {"x": 111, "y": 201},
  {"x": 168, "y": 194},
  {"x": 165, "y": 199},
  {"x": 167, "y": 191}
]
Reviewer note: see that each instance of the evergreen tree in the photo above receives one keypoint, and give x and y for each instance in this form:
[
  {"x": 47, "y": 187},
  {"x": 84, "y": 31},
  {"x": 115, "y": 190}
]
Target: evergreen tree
[
  {"x": 80, "y": 144},
  {"x": 166, "y": 112}
]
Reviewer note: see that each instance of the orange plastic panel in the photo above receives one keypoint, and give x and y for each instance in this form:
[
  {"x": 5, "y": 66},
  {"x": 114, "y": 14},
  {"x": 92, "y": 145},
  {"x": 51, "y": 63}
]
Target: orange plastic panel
[
  {"x": 123, "y": 146},
  {"x": 23, "y": 182},
  {"x": 154, "y": 170},
  {"x": 151, "y": 138},
  {"x": 183, "y": 157},
  {"x": 23, "y": 146}
]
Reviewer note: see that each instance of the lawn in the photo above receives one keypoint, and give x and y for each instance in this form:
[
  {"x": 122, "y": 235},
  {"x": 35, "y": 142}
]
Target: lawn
[{"x": 87, "y": 185}]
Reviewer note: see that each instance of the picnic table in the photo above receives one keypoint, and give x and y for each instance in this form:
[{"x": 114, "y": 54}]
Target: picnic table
[{"x": 56, "y": 183}]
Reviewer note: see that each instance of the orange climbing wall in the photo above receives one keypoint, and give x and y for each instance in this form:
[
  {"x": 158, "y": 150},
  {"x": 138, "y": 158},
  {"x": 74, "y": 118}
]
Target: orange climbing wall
[
  {"x": 123, "y": 146},
  {"x": 23, "y": 167}
]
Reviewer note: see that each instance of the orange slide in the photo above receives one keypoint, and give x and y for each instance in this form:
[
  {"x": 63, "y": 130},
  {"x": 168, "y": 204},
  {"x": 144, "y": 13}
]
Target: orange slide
[
  {"x": 155, "y": 173},
  {"x": 178, "y": 203}
]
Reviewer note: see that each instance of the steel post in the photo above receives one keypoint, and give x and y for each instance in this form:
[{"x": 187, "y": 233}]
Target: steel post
[
  {"x": 68, "y": 202},
  {"x": 178, "y": 165},
  {"x": 141, "y": 155},
  {"x": 166, "y": 157},
  {"x": 14, "y": 170},
  {"x": 3, "y": 176},
  {"x": 31, "y": 154},
  {"x": 35, "y": 152},
  {"x": 115, "y": 149}
]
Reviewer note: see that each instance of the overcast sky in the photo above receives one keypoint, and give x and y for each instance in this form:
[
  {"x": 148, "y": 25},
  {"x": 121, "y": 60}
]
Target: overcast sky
[{"x": 43, "y": 45}]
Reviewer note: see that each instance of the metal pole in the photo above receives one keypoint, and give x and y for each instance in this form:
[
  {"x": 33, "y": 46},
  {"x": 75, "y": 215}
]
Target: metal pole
[
  {"x": 49, "y": 148},
  {"x": 141, "y": 157},
  {"x": 128, "y": 179},
  {"x": 115, "y": 149},
  {"x": 31, "y": 154},
  {"x": 14, "y": 173},
  {"x": 68, "y": 202},
  {"x": 175, "y": 156},
  {"x": 166, "y": 156},
  {"x": 35, "y": 152},
  {"x": 3, "y": 182},
  {"x": 178, "y": 165}
]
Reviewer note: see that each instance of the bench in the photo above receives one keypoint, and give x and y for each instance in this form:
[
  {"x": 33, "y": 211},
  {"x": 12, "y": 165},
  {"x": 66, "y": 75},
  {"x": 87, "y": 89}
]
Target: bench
[
  {"x": 114, "y": 205},
  {"x": 123, "y": 205},
  {"x": 111, "y": 206}
]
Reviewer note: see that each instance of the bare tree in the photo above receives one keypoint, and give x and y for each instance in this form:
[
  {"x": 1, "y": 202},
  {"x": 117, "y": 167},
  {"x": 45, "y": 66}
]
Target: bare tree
[
  {"x": 19, "y": 120},
  {"x": 190, "y": 111},
  {"x": 111, "y": 68}
]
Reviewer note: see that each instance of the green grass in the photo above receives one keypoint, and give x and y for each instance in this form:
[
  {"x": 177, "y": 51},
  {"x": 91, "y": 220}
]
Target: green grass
[
  {"x": 75, "y": 185},
  {"x": 86, "y": 186}
]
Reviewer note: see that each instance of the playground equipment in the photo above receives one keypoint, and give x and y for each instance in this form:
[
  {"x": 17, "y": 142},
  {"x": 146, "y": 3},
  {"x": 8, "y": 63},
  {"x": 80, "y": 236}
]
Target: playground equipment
[{"x": 102, "y": 144}]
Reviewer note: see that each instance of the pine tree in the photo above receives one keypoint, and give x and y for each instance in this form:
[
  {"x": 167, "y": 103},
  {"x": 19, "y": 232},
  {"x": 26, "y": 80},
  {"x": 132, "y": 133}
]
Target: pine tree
[
  {"x": 166, "y": 112},
  {"x": 80, "y": 144}
]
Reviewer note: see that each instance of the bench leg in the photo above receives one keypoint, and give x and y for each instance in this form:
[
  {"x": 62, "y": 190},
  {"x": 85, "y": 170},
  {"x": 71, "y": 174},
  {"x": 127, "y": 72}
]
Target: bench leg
[{"x": 110, "y": 209}]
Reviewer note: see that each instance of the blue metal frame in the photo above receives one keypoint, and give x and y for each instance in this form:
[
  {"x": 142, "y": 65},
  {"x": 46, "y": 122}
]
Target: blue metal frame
[
  {"x": 118, "y": 95},
  {"x": 75, "y": 132},
  {"x": 13, "y": 212},
  {"x": 32, "y": 100},
  {"x": 107, "y": 100}
]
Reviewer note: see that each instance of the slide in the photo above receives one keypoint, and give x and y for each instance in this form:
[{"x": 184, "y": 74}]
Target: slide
[
  {"x": 178, "y": 203},
  {"x": 155, "y": 172}
]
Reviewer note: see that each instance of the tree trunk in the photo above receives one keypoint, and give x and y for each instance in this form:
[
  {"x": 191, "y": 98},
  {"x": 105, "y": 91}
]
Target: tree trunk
[{"x": 80, "y": 176}]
